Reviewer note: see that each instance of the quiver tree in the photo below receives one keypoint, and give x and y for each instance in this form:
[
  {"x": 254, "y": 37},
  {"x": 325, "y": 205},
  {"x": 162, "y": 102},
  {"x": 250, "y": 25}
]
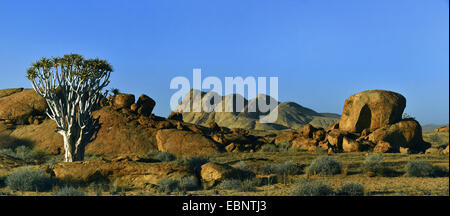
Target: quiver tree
[{"x": 72, "y": 87}]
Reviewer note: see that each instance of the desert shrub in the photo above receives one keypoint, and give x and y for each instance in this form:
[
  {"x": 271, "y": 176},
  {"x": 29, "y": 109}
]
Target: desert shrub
[
  {"x": 374, "y": 164},
  {"x": 164, "y": 156},
  {"x": 168, "y": 185},
  {"x": 440, "y": 171},
  {"x": 284, "y": 146},
  {"x": 68, "y": 191},
  {"x": 194, "y": 163},
  {"x": 28, "y": 179},
  {"x": 419, "y": 169},
  {"x": 237, "y": 185},
  {"x": 189, "y": 183},
  {"x": 38, "y": 155},
  {"x": 230, "y": 184},
  {"x": 325, "y": 165},
  {"x": 352, "y": 189},
  {"x": 425, "y": 169},
  {"x": 247, "y": 185},
  {"x": 434, "y": 138},
  {"x": 269, "y": 148},
  {"x": 244, "y": 167},
  {"x": 285, "y": 168},
  {"x": 9, "y": 142},
  {"x": 27, "y": 154},
  {"x": 243, "y": 171},
  {"x": 9, "y": 152},
  {"x": 305, "y": 187}
]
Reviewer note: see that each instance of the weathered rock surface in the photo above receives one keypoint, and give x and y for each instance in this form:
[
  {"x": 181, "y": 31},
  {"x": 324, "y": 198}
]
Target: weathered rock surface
[
  {"x": 213, "y": 173},
  {"x": 18, "y": 106},
  {"x": 185, "y": 143},
  {"x": 123, "y": 173},
  {"x": 123, "y": 101},
  {"x": 406, "y": 134},
  {"x": 145, "y": 104},
  {"x": 441, "y": 129},
  {"x": 371, "y": 109}
]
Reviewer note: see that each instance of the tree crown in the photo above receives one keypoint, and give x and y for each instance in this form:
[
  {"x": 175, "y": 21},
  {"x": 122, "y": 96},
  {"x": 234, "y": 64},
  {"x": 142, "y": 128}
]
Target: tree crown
[{"x": 75, "y": 65}]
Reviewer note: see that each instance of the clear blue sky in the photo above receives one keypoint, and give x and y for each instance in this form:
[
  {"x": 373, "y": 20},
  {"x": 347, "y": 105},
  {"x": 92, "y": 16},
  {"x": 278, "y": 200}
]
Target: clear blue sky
[{"x": 322, "y": 51}]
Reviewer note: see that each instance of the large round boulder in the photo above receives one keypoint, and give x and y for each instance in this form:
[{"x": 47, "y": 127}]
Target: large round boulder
[
  {"x": 371, "y": 109},
  {"x": 185, "y": 143},
  {"x": 213, "y": 173},
  {"x": 405, "y": 134}
]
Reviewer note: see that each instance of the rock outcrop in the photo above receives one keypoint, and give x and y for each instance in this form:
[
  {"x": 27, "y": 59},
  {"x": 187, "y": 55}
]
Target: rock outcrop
[
  {"x": 120, "y": 101},
  {"x": 370, "y": 120},
  {"x": 371, "y": 109},
  {"x": 441, "y": 129},
  {"x": 185, "y": 143},
  {"x": 18, "y": 105},
  {"x": 123, "y": 173}
]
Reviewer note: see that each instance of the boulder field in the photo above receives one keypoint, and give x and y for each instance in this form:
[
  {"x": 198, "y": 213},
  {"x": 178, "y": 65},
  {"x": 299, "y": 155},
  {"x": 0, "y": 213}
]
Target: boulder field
[{"x": 371, "y": 120}]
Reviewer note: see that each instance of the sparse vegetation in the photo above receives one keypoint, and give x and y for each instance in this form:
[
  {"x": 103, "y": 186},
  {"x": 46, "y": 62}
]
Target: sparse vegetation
[
  {"x": 352, "y": 189},
  {"x": 424, "y": 169},
  {"x": 164, "y": 156},
  {"x": 284, "y": 146},
  {"x": 419, "y": 169},
  {"x": 325, "y": 165},
  {"x": 168, "y": 185},
  {"x": 194, "y": 163},
  {"x": 68, "y": 191},
  {"x": 373, "y": 165},
  {"x": 237, "y": 185},
  {"x": 269, "y": 148},
  {"x": 244, "y": 171},
  {"x": 305, "y": 187},
  {"x": 28, "y": 179},
  {"x": 189, "y": 183},
  {"x": 27, "y": 154}
]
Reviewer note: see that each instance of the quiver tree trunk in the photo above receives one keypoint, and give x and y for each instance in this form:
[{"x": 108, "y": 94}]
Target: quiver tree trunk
[{"x": 72, "y": 87}]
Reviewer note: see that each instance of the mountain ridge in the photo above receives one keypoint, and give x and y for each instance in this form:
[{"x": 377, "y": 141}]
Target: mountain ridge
[{"x": 290, "y": 114}]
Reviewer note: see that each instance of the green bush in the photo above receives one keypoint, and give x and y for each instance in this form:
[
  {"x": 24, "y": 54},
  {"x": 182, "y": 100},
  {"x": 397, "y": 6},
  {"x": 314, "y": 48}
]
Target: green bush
[
  {"x": 352, "y": 189},
  {"x": 68, "y": 191},
  {"x": 306, "y": 187},
  {"x": 325, "y": 165},
  {"x": 419, "y": 169},
  {"x": 269, "y": 148},
  {"x": 28, "y": 179}
]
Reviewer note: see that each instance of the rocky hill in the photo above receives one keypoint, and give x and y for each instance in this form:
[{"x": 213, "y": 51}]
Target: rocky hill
[{"x": 290, "y": 114}]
